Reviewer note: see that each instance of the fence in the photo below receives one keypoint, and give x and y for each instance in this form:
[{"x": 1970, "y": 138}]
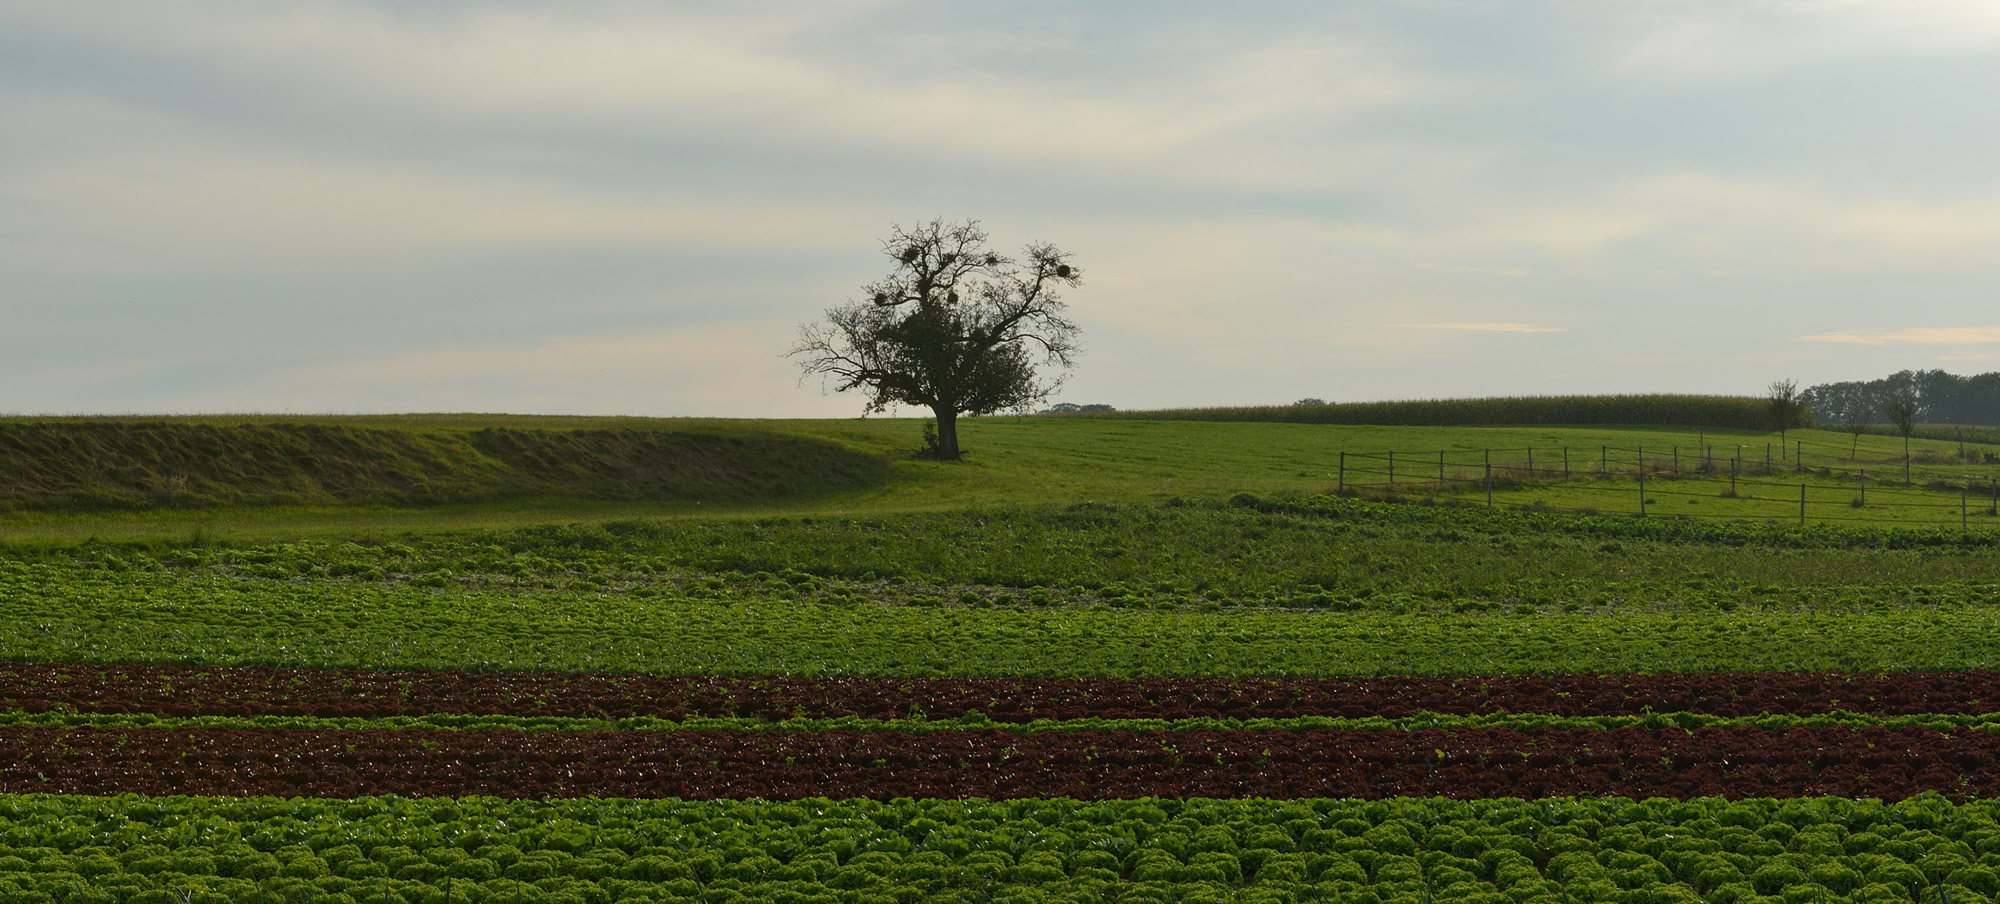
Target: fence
[{"x": 1815, "y": 482}]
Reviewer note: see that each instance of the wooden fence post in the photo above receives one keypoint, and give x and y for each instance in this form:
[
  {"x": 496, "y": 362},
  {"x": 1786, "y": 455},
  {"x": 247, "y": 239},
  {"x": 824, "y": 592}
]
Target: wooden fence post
[
  {"x": 1340, "y": 486},
  {"x": 1392, "y": 472}
]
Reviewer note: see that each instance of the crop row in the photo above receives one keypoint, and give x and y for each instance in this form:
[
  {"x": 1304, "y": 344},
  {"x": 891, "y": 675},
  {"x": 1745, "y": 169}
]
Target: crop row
[
  {"x": 1308, "y": 552},
  {"x": 196, "y": 690},
  {"x": 1941, "y": 723},
  {"x": 1466, "y": 763},
  {"x": 54, "y": 614},
  {"x": 69, "y": 848}
]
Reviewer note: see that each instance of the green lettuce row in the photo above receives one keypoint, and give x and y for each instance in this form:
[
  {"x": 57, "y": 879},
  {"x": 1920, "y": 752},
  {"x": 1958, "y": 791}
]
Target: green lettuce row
[
  {"x": 1800, "y": 851},
  {"x": 1946, "y": 723},
  {"x": 1672, "y": 530},
  {"x": 1295, "y": 552},
  {"x": 63, "y": 614}
]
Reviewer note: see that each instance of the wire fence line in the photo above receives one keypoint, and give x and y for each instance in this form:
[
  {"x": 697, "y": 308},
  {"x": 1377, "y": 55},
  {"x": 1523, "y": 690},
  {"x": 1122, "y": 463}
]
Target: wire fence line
[{"x": 1828, "y": 483}]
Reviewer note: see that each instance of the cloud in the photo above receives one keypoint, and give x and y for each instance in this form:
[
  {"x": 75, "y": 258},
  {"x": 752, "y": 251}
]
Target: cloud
[
  {"x": 353, "y": 205},
  {"x": 777, "y": 76},
  {"x": 1950, "y": 335},
  {"x": 728, "y": 370},
  {"x": 1725, "y": 221},
  {"x": 1480, "y": 327},
  {"x": 165, "y": 195},
  {"x": 1721, "y": 39}
]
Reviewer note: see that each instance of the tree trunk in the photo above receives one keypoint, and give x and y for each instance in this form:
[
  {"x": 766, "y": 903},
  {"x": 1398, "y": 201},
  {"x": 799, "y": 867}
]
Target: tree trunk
[{"x": 947, "y": 431}]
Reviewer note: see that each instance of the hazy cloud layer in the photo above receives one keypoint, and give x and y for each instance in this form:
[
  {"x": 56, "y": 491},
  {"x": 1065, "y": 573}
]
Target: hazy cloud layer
[
  {"x": 1961, "y": 335},
  {"x": 1488, "y": 327},
  {"x": 628, "y": 207}
]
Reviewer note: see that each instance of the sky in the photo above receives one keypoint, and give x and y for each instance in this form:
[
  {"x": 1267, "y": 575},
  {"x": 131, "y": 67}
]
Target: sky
[{"x": 630, "y": 208}]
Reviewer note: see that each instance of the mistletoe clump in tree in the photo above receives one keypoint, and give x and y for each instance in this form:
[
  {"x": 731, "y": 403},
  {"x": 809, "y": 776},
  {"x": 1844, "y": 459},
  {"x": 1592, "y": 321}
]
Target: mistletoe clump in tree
[{"x": 955, "y": 328}]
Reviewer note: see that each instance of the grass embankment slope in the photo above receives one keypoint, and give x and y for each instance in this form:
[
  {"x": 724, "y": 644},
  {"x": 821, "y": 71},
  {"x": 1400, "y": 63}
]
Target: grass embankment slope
[{"x": 81, "y": 470}]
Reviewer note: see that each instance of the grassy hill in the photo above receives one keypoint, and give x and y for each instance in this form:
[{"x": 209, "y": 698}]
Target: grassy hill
[{"x": 95, "y": 464}]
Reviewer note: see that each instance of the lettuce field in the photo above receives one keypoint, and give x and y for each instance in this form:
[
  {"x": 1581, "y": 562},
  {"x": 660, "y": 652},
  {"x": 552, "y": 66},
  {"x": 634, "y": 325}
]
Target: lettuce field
[
  {"x": 1149, "y": 849},
  {"x": 1250, "y": 696}
]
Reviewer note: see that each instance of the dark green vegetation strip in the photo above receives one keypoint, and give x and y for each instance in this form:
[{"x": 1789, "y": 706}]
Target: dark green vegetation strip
[
  {"x": 1318, "y": 552},
  {"x": 1943, "y": 723},
  {"x": 1401, "y": 851},
  {"x": 1673, "y": 410},
  {"x": 1950, "y": 433},
  {"x": 1306, "y": 585},
  {"x": 83, "y": 464},
  {"x": 57, "y": 613}
]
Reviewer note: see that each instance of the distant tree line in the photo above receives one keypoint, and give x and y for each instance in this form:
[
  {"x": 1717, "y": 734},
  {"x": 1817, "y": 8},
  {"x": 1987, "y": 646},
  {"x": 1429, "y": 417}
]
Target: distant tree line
[
  {"x": 1745, "y": 412},
  {"x": 1921, "y": 396}
]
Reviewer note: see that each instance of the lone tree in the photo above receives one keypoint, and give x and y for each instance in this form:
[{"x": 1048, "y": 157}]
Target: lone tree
[
  {"x": 1782, "y": 406},
  {"x": 1901, "y": 410},
  {"x": 955, "y": 327},
  {"x": 1856, "y": 413}
]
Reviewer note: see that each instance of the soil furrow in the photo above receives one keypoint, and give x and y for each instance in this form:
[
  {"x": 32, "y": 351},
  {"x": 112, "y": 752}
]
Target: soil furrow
[
  {"x": 190, "y": 690},
  {"x": 1638, "y": 763}
]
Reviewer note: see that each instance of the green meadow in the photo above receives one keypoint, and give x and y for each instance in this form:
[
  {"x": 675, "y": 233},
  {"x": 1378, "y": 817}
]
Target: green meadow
[
  {"x": 1062, "y": 546},
  {"x": 1029, "y": 462}
]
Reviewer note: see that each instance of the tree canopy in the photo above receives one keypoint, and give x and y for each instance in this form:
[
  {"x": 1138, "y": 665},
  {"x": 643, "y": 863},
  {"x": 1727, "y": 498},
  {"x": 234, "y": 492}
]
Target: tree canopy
[
  {"x": 1783, "y": 407},
  {"x": 955, "y": 327},
  {"x": 1942, "y": 398}
]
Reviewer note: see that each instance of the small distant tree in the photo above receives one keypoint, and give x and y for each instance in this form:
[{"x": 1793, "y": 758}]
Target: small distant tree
[
  {"x": 955, "y": 327},
  {"x": 1901, "y": 410},
  {"x": 1856, "y": 415},
  {"x": 1309, "y": 400},
  {"x": 1782, "y": 406}
]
